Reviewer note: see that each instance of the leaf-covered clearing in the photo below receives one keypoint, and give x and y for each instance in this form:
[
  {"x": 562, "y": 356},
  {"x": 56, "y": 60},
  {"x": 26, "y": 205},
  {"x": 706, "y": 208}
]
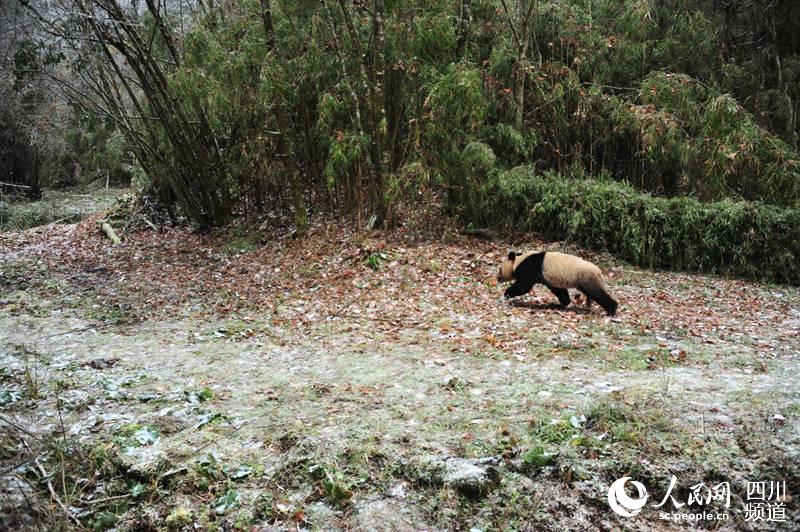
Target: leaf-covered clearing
[{"x": 349, "y": 380}]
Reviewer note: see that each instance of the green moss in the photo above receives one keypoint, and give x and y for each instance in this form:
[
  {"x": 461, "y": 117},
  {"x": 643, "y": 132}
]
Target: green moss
[{"x": 178, "y": 518}]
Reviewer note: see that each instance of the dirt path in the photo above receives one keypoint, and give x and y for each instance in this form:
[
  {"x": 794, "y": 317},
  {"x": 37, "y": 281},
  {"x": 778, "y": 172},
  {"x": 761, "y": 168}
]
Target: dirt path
[{"x": 406, "y": 396}]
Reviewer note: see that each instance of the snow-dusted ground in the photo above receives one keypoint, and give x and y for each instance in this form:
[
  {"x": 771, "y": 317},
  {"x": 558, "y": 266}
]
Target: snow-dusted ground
[{"x": 331, "y": 407}]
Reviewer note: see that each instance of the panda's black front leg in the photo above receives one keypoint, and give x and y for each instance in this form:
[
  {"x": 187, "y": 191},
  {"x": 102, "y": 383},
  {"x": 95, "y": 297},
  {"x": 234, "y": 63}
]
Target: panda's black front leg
[
  {"x": 518, "y": 289},
  {"x": 562, "y": 294}
]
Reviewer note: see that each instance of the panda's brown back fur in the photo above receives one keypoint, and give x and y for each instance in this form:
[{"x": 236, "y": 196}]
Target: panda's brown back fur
[
  {"x": 568, "y": 271},
  {"x": 561, "y": 270}
]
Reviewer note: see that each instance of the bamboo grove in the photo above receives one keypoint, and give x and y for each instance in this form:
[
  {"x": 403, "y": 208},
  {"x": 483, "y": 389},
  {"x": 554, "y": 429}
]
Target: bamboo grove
[{"x": 290, "y": 107}]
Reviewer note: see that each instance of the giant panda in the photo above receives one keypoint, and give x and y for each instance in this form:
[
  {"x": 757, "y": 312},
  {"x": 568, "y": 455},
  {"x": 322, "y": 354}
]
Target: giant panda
[{"x": 557, "y": 271}]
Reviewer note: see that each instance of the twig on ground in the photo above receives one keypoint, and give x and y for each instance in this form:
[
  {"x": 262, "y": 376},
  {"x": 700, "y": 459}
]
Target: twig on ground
[
  {"x": 150, "y": 224},
  {"x": 46, "y": 476}
]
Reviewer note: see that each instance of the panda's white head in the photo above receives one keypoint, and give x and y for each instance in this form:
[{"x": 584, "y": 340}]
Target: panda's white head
[{"x": 507, "y": 268}]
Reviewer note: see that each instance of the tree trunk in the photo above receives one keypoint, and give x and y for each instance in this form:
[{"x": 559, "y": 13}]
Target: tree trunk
[
  {"x": 463, "y": 27},
  {"x": 378, "y": 109},
  {"x": 521, "y": 70},
  {"x": 521, "y": 33},
  {"x": 371, "y": 98},
  {"x": 283, "y": 141}
]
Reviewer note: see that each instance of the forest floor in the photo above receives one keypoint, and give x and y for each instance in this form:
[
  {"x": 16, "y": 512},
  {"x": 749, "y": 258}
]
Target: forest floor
[{"x": 340, "y": 380}]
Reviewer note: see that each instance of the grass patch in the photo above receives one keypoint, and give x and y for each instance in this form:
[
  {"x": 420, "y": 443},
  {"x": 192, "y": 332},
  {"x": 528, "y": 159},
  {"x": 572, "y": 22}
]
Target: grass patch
[{"x": 642, "y": 424}]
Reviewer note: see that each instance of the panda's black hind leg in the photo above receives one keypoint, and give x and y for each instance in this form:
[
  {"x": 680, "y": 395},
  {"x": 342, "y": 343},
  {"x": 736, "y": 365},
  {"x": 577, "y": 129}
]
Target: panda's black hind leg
[
  {"x": 602, "y": 298},
  {"x": 562, "y": 294}
]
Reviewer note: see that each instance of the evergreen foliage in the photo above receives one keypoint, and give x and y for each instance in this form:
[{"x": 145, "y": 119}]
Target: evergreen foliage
[
  {"x": 289, "y": 107},
  {"x": 633, "y": 89}
]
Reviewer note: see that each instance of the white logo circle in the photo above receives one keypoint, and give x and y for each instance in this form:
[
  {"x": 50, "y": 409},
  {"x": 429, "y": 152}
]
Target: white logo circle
[{"x": 621, "y": 503}]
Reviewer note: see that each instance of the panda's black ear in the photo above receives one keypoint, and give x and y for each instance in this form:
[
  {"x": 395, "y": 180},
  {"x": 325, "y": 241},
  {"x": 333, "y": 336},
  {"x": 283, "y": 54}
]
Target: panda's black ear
[{"x": 512, "y": 255}]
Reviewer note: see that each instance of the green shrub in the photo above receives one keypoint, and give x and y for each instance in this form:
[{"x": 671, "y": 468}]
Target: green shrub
[
  {"x": 478, "y": 159},
  {"x": 751, "y": 240}
]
